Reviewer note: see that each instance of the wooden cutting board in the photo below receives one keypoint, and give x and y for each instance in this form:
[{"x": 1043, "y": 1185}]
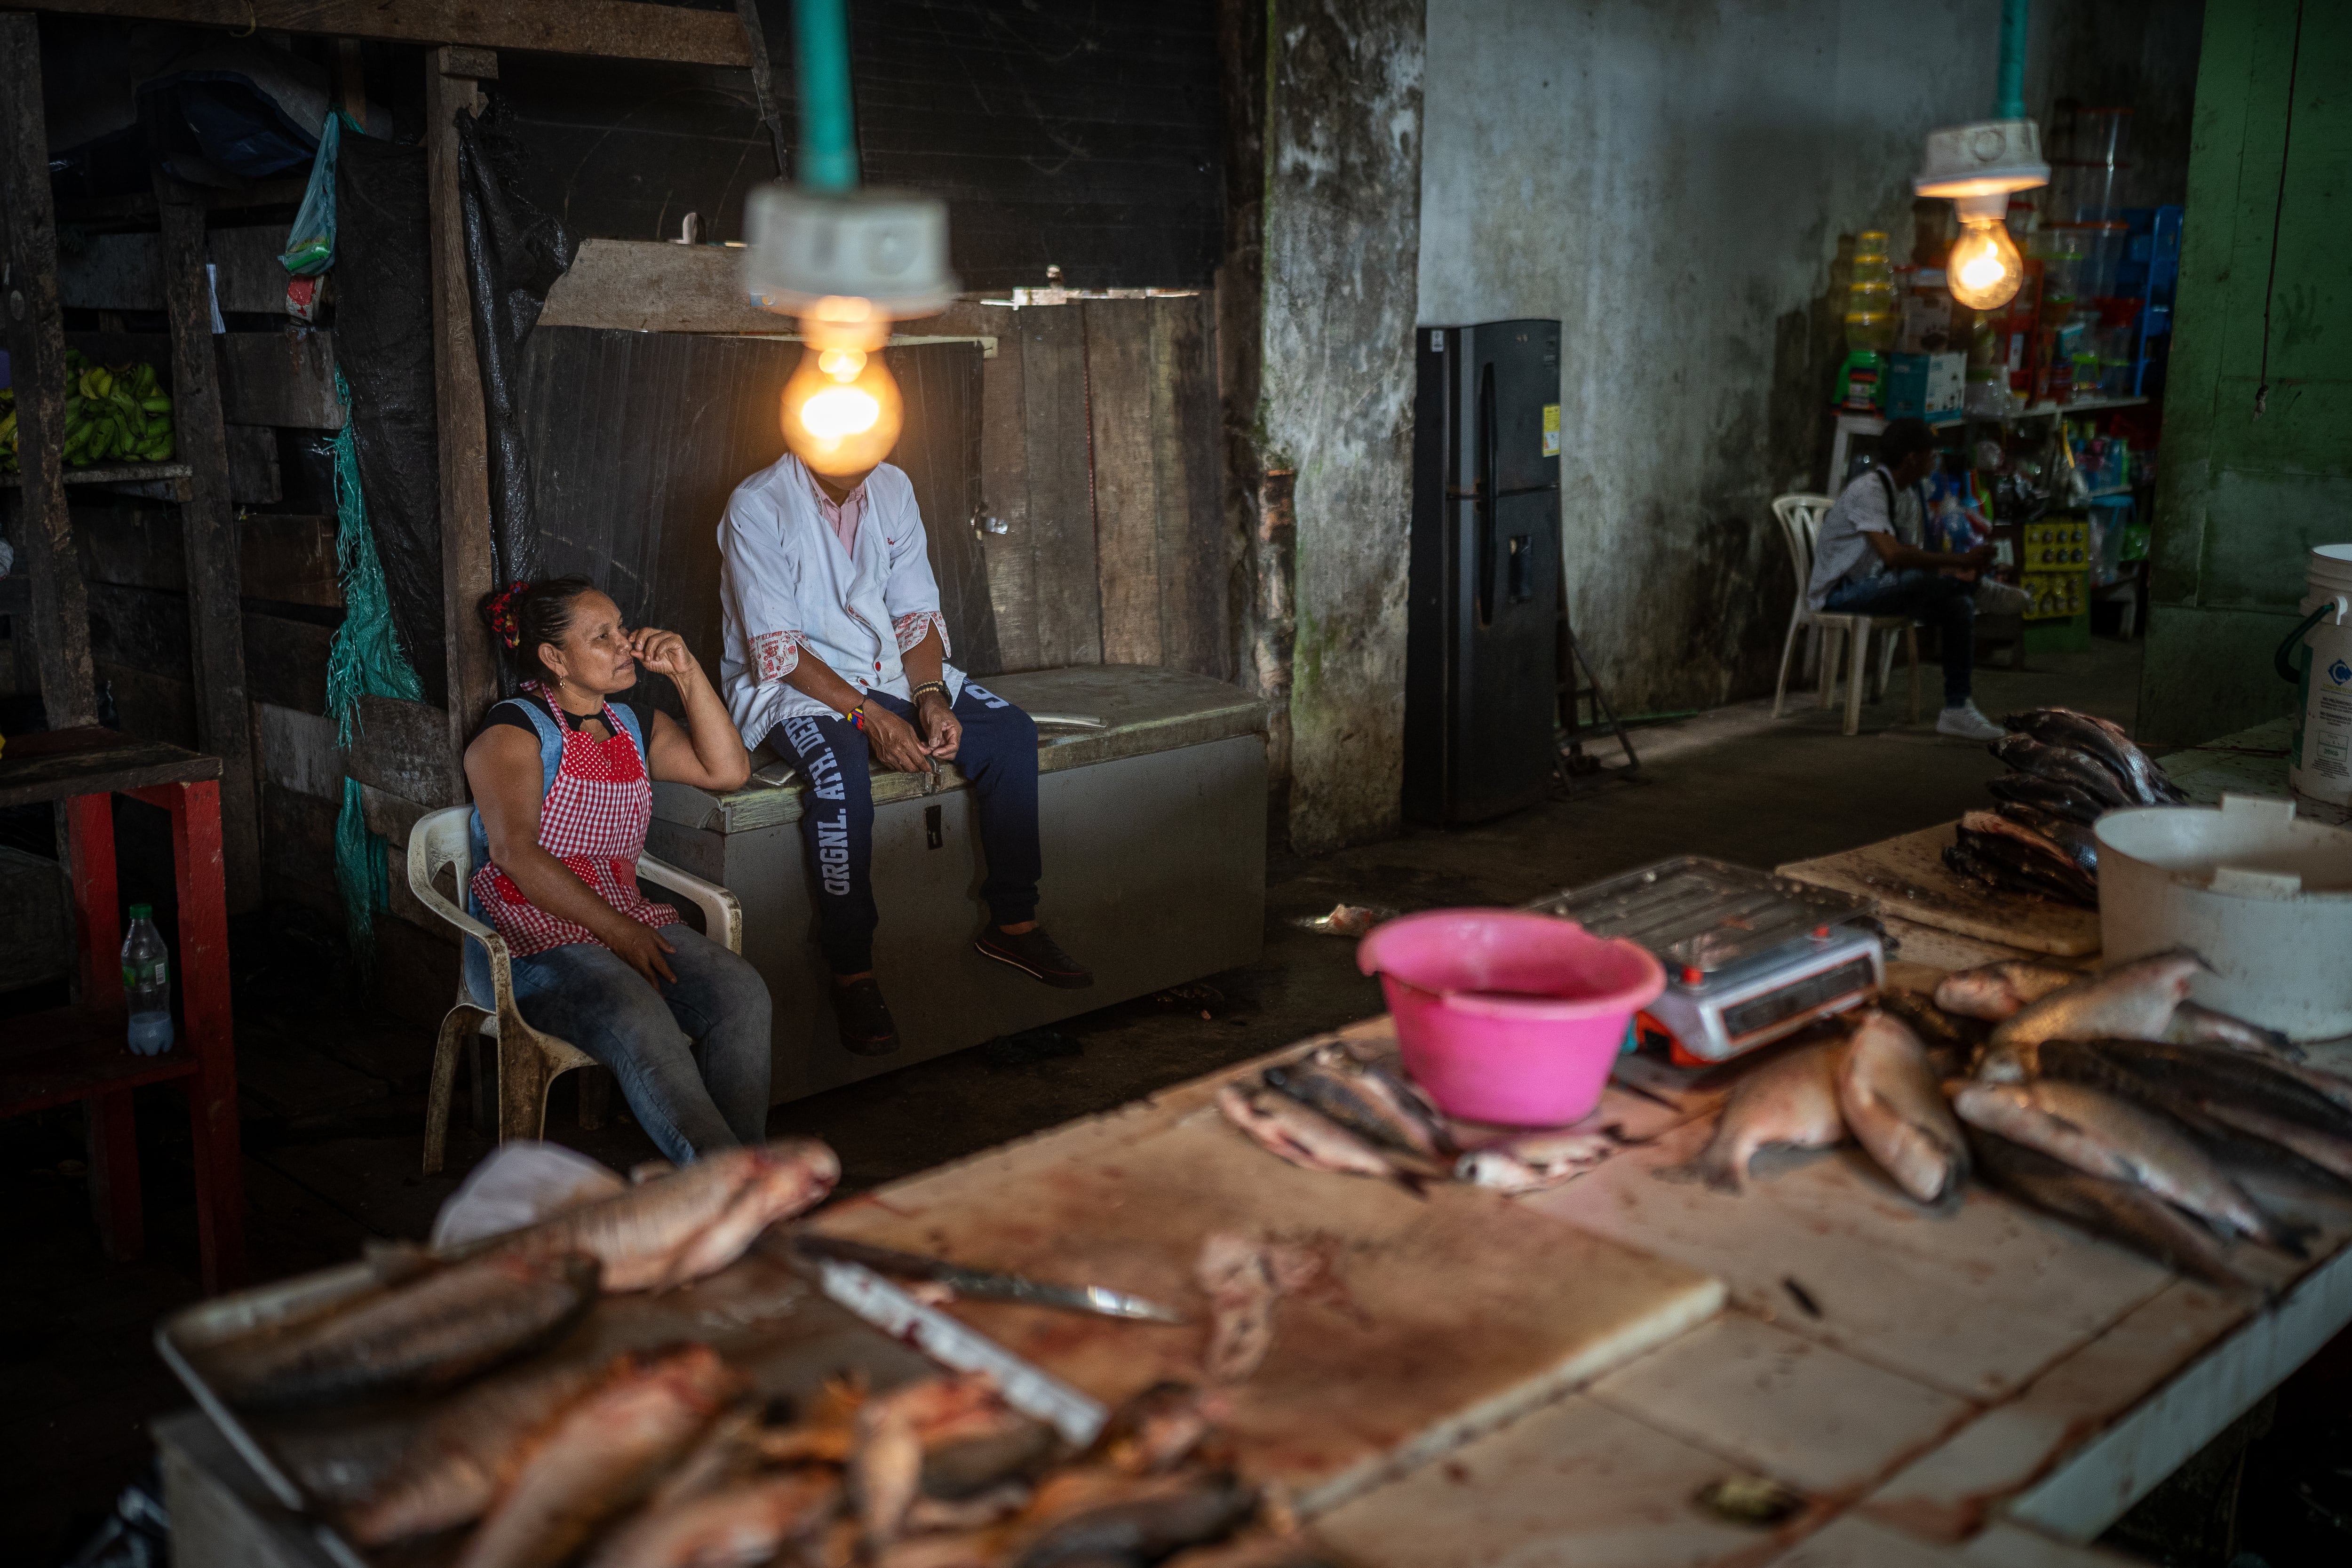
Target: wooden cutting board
[
  {"x": 1907, "y": 878},
  {"x": 1449, "y": 1314}
]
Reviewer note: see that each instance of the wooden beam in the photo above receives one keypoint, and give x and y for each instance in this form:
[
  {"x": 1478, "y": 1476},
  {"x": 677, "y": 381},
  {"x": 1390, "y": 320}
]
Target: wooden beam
[
  {"x": 466, "y": 559},
  {"x": 208, "y": 537},
  {"x": 618, "y": 29},
  {"x": 37, "y": 348}
]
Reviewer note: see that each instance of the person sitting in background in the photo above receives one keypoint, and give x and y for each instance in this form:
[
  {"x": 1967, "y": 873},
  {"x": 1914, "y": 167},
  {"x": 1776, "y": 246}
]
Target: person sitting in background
[
  {"x": 1862, "y": 567},
  {"x": 562, "y": 777},
  {"x": 835, "y": 651}
]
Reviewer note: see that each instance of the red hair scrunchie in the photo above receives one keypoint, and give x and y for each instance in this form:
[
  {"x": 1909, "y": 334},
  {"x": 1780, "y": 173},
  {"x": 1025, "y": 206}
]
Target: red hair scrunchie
[{"x": 503, "y": 618}]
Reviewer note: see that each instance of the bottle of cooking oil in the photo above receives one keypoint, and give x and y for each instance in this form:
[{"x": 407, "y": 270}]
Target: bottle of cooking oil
[{"x": 1870, "y": 324}]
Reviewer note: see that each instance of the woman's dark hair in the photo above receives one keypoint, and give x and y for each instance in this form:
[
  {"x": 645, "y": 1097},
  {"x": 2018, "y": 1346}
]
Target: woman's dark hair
[{"x": 522, "y": 616}]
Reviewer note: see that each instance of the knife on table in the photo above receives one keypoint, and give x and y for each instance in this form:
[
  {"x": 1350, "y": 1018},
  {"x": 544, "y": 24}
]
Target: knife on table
[{"x": 985, "y": 1284}]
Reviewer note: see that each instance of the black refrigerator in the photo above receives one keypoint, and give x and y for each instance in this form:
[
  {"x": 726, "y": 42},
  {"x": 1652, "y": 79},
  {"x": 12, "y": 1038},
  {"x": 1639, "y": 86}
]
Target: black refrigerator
[{"x": 1481, "y": 666}]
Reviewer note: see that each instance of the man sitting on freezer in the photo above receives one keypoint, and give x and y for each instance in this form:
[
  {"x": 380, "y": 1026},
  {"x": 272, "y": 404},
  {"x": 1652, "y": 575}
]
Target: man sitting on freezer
[
  {"x": 835, "y": 649},
  {"x": 1862, "y": 567}
]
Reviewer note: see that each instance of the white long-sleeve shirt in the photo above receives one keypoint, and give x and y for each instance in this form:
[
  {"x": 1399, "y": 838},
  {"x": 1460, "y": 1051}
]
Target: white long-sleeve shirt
[{"x": 786, "y": 585}]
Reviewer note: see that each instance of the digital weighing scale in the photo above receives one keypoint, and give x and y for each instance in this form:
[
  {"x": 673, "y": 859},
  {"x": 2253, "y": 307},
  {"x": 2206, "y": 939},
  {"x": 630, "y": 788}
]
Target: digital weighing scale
[{"x": 1750, "y": 958}]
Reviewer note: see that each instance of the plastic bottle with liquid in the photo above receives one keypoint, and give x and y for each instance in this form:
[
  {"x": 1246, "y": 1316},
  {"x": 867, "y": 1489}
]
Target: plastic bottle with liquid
[
  {"x": 1870, "y": 324},
  {"x": 147, "y": 983}
]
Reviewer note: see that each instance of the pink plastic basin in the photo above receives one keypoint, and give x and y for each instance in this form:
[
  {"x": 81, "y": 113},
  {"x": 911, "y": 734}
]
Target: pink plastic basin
[{"x": 1508, "y": 1016}]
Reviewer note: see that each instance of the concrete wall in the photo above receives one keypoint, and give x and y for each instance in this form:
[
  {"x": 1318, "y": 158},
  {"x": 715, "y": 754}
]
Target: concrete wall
[
  {"x": 1679, "y": 183},
  {"x": 2248, "y": 481},
  {"x": 1332, "y": 401}
]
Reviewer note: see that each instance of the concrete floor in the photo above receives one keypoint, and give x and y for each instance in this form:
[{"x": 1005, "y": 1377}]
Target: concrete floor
[{"x": 334, "y": 1102}]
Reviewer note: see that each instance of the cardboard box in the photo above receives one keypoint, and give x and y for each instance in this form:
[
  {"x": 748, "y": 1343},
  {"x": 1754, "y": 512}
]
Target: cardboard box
[
  {"x": 1927, "y": 322},
  {"x": 1920, "y": 386}
]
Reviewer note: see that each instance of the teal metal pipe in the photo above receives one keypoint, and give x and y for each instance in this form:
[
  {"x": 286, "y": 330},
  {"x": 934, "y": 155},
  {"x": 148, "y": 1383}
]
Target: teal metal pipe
[
  {"x": 2010, "y": 90},
  {"x": 828, "y": 160}
]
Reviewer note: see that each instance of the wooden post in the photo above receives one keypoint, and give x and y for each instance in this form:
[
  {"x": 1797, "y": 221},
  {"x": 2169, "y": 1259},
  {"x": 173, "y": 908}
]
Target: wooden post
[
  {"x": 450, "y": 75},
  {"x": 36, "y": 349},
  {"x": 209, "y": 535}
]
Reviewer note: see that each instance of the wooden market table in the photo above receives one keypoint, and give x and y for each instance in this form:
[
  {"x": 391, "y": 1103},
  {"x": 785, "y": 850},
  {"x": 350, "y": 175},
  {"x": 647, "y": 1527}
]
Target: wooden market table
[{"x": 78, "y": 1052}]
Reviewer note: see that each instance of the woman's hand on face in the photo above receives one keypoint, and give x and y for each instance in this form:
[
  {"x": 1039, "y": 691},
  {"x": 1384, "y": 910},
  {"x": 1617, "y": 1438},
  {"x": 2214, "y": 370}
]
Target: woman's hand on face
[
  {"x": 641, "y": 948},
  {"x": 663, "y": 651}
]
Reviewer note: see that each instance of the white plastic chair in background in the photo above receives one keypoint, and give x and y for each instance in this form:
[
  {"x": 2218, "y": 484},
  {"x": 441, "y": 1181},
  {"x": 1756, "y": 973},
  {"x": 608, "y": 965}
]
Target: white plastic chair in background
[
  {"x": 1799, "y": 516},
  {"x": 529, "y": 1061}
]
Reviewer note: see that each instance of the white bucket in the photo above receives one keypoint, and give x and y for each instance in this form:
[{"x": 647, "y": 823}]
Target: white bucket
[
  {"x": 2319, "y": 760},
  {"x": 2263, "y": 898}
]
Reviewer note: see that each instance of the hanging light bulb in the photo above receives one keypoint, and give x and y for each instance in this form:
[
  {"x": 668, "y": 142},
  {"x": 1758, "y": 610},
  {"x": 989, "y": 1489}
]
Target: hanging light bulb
[
  {"x": 1984, "y": 272},
  {"x": 842, "y": 412}
]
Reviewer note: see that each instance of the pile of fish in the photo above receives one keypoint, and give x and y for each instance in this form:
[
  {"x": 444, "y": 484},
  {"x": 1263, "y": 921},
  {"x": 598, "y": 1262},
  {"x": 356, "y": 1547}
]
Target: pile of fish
[
  {"x": 435, "y": 1323},
  {"x": 2108, "y": 1099},
  {"x": 2068, "y": 769},
  {"x": 1337, "y": 1110},
  {"x": 667, "y": 1459}
]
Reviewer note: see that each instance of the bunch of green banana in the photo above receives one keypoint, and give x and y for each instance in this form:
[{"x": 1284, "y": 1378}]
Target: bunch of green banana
[{"x": 114, "y": 414}]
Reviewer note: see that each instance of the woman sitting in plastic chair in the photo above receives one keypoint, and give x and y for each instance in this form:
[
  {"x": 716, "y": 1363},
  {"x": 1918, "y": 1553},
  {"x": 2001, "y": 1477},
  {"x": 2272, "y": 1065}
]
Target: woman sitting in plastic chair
[{"x": 563, "y": 789}]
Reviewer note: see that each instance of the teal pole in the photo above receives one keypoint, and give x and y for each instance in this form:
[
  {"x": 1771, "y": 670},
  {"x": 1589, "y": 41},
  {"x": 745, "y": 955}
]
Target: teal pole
[
  {"x": 828, "y": 160},
  {"x": 2009, "y": 103}
]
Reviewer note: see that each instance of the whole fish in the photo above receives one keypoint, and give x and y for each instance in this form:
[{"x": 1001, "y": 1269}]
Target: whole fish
[
  {"x": 1533, "y": 1162},
  {"x": 1307, "y": 1138},
  {"x": 2011, "y": 865},
  {"x": 2117, "y": 1211},
  {"x": 2331, "y": 1154},
  {"x": 1897, "y": 1111},
  {"x": 2193, "y": 1025},
  {"x": 671, "y": 1229},
  {"x": 977, "y": 1511},
  {"x": 1996, "y": 991},
  {"x": 2104, "y": 1136},
  {"x": 1987, "y": 835},
  {"x": 1951, "y": 1038},
  {"x": 430, "y": 1332},
  {"x": 2047, "y": 795},
  {"x": 2077, "y": 1061},
  {"x": 1150, "y": 1518},
  {"x": 886, "y": 1473},
  {"x": 2078, "y": 843},
  {"x": 2230, "y": 1076},
  {"x": 746, "y": 1523},
  {"x": 1365, "y": 1101},
  {"x": 2062, "y": 764},
  {"x": 1793, "y": 1098},
  {"x": 2130, "y": 1000},
  {"x": 2104, "y": 741},
  {"x": 469, "y": 1451},
  {"x": 604, "y": 1455}
]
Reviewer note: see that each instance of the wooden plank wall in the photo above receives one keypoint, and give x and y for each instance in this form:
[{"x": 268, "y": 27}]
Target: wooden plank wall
[{"x": 1101, "y": 457}]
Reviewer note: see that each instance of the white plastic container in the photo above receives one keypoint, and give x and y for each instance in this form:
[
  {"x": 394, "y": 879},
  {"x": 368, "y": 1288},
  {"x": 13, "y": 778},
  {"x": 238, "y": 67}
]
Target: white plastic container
[
  {"x": 2263, "y": 898},
  {"x": 2319, "y": 761}
]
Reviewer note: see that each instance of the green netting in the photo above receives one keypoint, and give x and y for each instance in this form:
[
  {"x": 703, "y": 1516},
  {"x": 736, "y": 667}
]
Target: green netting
[{"x": 365, "y": 660}]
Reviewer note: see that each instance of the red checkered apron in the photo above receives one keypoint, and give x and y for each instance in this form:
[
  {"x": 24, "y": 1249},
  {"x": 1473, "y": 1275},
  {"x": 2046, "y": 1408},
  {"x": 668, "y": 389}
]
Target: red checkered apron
[{"x": 594, "y": 820}]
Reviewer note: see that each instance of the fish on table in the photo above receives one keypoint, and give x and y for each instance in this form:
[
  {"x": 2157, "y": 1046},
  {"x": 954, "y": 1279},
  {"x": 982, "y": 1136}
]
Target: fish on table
[
  {"x": 665, "y": 1231},
  {"x": 746, "y": 1521},
  {"x": 1792, "y": 1098},
  {"x": 430, "y": 1332},
  {"x": 1994, "y": 991},
  {"x": 469, "y": 1450},
  {"x": 606, "y": 1453},
  {"x": 1892, "y": 1101},
  {"x": 2116, "y": 1211},
  {"x": 2051, "y": 797},
  {"x": 2062, "y": 764},
  {"x": 1533, "y": 1162},
  {"x": 1374, "y": 1104},
  {"x": 2105, "y": 743},
  {"x": 1307, "y": 1138},
  {"x": 1128, "y": 1518},
  {"x": 2093, "y": 1062},
  {"x": 2102, "y": 1135},
  {"x": 2135, "y": 1000}
]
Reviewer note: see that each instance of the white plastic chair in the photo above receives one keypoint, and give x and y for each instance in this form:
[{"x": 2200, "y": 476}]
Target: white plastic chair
[
  {"x": 1801, "y": 517},
  {"x": 529, "y": 1061}
]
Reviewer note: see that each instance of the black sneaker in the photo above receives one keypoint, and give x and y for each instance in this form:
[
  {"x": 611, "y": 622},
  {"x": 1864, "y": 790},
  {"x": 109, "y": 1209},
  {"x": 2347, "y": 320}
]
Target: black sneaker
[
  {"x": 1035, "y": 954},
  {"x": 866, "y": 1027}
]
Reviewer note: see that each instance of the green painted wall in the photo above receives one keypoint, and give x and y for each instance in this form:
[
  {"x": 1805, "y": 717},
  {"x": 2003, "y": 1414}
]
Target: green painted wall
[{"x": 2242, "y": 495}]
